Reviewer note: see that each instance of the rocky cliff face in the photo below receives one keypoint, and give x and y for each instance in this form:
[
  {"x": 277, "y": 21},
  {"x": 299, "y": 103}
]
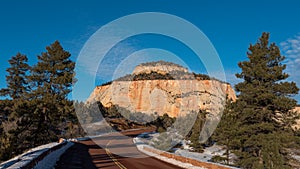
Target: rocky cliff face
[{"x": 174, "y": 97}]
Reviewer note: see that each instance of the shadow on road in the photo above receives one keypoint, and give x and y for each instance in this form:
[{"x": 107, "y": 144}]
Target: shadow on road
[
  {"x": 85, "y": 156},
  {"x": 76, "y": 157}
]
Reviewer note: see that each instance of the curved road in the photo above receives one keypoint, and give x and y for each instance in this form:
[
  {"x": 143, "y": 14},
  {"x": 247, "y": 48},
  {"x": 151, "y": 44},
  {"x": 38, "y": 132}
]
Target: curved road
[{"x": 113, "y": 151}]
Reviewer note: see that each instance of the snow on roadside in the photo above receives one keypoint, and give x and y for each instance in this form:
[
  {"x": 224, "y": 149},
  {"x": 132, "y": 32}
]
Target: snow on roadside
[
  {"x": 28, "y": 156},
  {"x": 50, "y": 160},
  {"x": 144, "y": 140},
  {"x": 140, "y": 146},
  {"x": 25, "y": 157},
  {"x": 207, "y": 155}
]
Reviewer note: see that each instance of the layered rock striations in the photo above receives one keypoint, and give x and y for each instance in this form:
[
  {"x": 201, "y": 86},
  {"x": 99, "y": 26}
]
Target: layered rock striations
[
  {"x": 175, "y": 97},
  {"x": 160, "y": 67}
]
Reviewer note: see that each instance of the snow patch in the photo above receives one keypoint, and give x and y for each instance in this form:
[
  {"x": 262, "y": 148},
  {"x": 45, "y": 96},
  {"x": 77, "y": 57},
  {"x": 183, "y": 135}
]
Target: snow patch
[
  {"x": 32, "y": 154},
  {"x": 50, "y": 160},
  {"x": 140, "y": 146},
  {"x": 206, "y": 156},
  {"x": 144, "y": 140}
]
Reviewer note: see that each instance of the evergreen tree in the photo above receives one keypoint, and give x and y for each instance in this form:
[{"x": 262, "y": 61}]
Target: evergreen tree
[
  {"x": 194, "y": 134},
  {"x": 40, "y": 111},
  {"x": 163, "y": 122},
  {"x": 54, "y": 72},
  {"x": 226, "y": 132},
  {"x": 4, "y": 144},
  {"x": 5, "y": 109},
  {"x": 17, "y": 89},
  {"x": 39, "y": 118},
  {"x": 51, "y": 79},
  {"x": 264, "y": 108},
  {"x": 17, "y": 83}
]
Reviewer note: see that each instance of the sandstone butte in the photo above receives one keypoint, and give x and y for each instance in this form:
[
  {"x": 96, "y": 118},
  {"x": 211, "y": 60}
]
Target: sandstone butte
[{"x": 174, "y": 97}]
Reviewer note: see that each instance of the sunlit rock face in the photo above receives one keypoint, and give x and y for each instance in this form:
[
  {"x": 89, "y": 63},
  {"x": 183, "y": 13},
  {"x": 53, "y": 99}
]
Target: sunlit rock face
[
  {"x": 174, "y": 97},
  {"x": 160, "y": 67},
  {"x": 297, "y": 125}
]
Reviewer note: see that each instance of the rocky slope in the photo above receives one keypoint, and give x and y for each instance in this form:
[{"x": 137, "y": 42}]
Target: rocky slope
[{"x": 174, "y": 97}]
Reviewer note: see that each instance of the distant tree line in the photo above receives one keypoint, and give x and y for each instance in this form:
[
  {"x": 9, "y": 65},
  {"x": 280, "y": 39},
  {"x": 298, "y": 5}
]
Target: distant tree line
[
  {"x": 161, "y": 62},
  {"x": 118, "y": 117},
  {"x": 37, "y": 110},
  {"x": 173, "y": 75}
]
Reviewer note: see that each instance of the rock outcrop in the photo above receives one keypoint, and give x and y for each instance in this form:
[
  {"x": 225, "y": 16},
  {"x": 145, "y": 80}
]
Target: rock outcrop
[
  {"x": 159, "y": 67},
  {"x": 297, "y": 125},
  {"x": 297, "y": 109},
  {"x": 174, "y": 97}
]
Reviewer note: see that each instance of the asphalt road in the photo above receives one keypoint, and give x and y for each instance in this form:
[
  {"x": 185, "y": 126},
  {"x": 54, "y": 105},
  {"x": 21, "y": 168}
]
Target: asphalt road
[{"x": 113, "y": 151}]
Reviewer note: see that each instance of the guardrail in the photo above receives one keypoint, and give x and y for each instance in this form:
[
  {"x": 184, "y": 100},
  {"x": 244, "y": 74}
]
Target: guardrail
[{"x": 186, "y": 160}]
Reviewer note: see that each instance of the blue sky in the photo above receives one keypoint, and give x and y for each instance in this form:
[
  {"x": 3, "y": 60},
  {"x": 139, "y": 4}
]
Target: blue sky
[{"x": 29, "y": 26}]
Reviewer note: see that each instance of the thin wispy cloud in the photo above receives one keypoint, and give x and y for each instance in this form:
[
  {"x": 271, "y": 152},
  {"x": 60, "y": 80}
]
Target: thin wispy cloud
[
  {"x": 291, "y": 49},
  {"x": 231, "y": 78},
  {"x": 105, "y": 67},
  {"x": 110, "y": 63},
  {"x": 77, "y": 42}
]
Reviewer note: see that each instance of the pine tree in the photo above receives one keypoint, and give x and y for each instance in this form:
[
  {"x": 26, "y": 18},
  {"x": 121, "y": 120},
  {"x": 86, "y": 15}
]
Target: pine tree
[
  {"x": 227, "y": 130},
  {"x": 5, "y": 109},
  {"x": 51, "y": 79},
  {"x": 41, "y": 111},
  {"x": 17, "y": 89},
  {"x": 194, "y": 135},
  {"x": 17, "y": 83},
  {"x": 264, "y": 108},
  {"x": 39, "y": 118},
  {"x": 54, "y": 72}
]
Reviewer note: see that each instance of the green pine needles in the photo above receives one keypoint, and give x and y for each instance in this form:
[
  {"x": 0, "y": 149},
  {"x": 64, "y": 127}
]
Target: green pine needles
[
  {"x": 258, "y": 126},
  {"x": 38, "y": 110}
]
